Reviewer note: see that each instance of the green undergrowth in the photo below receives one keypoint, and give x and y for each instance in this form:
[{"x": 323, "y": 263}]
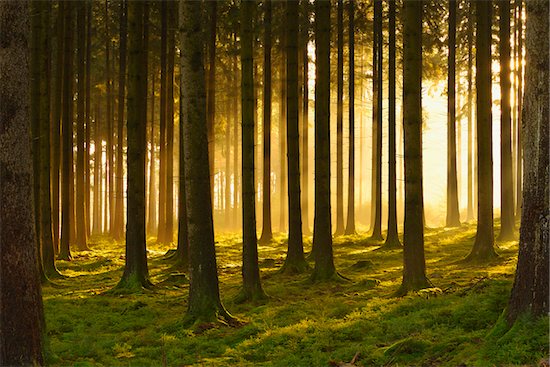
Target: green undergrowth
[{"x": 458, "y": 322}]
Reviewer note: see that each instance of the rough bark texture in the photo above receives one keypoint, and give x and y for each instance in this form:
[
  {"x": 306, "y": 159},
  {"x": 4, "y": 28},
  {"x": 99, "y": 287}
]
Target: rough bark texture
[
  {"x": 350, "y": 220},
  {"x": 204, "y": 295},
  {"x": 322, "y": 227},
  {"x": 340, "y": 122},
  {"x": 414, "y": 264},
  {"x": 21, "y": 312},
  {"x": 267, "y": 233},
  {"x": 530, "y": 291},
  {"x": 252, "y": 287},
  {"x": 392, "y": 238},
  {"x": 483, "y": 248},
  {"x": 182, "y": 251},
  {"x": 211, "y": 89},
  {"x": 295, "y": 261},
  {"x": 453, "y": 213},
  {"x": 136, "y": 274}
]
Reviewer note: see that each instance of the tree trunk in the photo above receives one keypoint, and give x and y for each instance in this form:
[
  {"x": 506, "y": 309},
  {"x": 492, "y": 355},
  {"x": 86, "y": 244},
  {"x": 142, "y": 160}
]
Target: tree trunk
[
  {"x": 161, "y": 234},
  {"x": 483, "y": 248},
  {"x": 322, "y": 228},
  {"x": 252, "y": 288},
  {"x": 340, "y": 123},
  {"x": 530, "y": 290},
  {"x": 118, "y": 229},
  {"x": 506, "y": 176},
  {"x": 295, "y": 261},
  {"x": 136, "y": 275},
  {"x": 96, "y": 228},
  {"x": 67, "y": 195},
  {"x": 305, "y": 119},
  {"x": 350, "y": 224},
  {"x": 267, "y": 234},
  {"x": 204, "y": 295},
  {"x": 392, "y": 239},
  {"x": 471, "y": 177},
  {"x": 21, "y": 312},
  {"x": 414, "y": 264},
  {"x": 87, "y": 184},
  {"x": 236, "y": 182},
  {"x": 182, "y": 251},
  {"x": 152, "y": 214},
  {"x": 453, "y": 213},
  {"x": 519, "y": 158},
  {"x": 282, "y": 136},
  {"x": 211, "y": 90},
  {"x": 80, "y": 204}
]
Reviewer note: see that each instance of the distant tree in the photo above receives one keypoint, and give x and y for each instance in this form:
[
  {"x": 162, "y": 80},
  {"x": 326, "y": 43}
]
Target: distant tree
[
  {"x": 322, "y": 227},
  {"x": 252, "y": 288},
  {"x": 414, "y": 264},
  {"x": 267, "y": 234},
  {"x": 67, "y": 143},
  {"x": 295, "y": 261},
  {"x": 304, "y": 40},
  {"x": 519, "y": 152},
  {"x": 136, "y": 274},
  {"x": 471, "y": 176},
  {"x": 161, "y": 232},
  {"x": 282, "y": 179},
  {"x": 21, "y": 312},
  {"x": 506, "y": 175},
  {"x": 453, "y": 213},
  {"x": 483, "y": 248},
  {"x": 204, "y": 295},
  {"x": 152, "y": 210},
  {"x": 96, "y": 226},
  {"x": 118, "y": 229},
  {"x": 530, "y": 290},
  {"x": 340, "y": 122},
  {"x": 376, "y": 200},
  {"x": 350, "y": 223},
  {"x": 392, "y": 238},
  {"x": 87, "y": 183},
  {"x": 211, "y": 87}
]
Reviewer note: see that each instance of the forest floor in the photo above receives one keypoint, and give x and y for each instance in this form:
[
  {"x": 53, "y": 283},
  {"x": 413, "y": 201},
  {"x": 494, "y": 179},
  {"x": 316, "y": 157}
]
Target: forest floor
[{"x": 458, "y": 322}]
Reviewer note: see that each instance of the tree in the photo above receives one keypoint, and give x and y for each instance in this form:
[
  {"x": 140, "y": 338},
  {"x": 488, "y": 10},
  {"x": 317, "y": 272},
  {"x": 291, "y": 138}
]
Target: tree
[
  {"x": 152, "y": 212},
  {"x": 211, "y": 88},
  {"x": 519, "y": 158},
  {"x": 350, "y": 224},
  {"x": 471, "y": 176},
  {"x": 267, "y": 234},
  {"x": 530, "y": 290},
  {"x": 67, "y": 143},
  {"x": 88, "y": 73},
  {"x": 483, "y": 248},
  {"x": 136, "y": 274},
  {"x": 340, "y": 123},
  {"x": 118, "y": 230},
  {"x": 96, "y": 227},
  {"x": 252, "y": 288},
  {"x": 295, "y": 261},
  {"x": 414, "y": 264},
  {"x": 392, "y": 238},
  {"x": 322, "y": 228},
  {"x": 21, "y": 311},
  {"x": 305, "y": 117},
  {"x": 80, "y": 203},
  {"x": 172, "y": 21},
  {"x": 182, "y": 251},
  {"x": 453, "y": 212},
  {"x": 376, "y": 200},
  {"x": 161, "y": 233},
  {"x": 506, "y": 174},
  {"x": 204, "y": 295}
]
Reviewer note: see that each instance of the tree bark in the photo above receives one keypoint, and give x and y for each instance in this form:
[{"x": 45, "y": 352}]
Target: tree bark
[
  {"x": 21, "y": 311},
  {"x": 172, "y": 21},
  {"x": 350, "y": 224},
  {"x": 530, "y": 290},
  {"x": 161, "y": 234},
  {"x": 471, "y": 176},
  {"x": 152, "y": 210},
  {"x": 305, "y": 119},
  {"x": 340, "y": 123},
  {"x": 519, "y": 158}
]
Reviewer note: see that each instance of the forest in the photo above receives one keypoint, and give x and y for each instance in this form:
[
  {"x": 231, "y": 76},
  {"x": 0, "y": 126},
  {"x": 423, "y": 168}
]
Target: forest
[{"x": 274, "y": 183}]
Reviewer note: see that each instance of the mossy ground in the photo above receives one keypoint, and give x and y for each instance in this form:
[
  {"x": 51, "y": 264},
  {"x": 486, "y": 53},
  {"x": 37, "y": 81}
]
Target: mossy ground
[{"x": 302, "y": 323}]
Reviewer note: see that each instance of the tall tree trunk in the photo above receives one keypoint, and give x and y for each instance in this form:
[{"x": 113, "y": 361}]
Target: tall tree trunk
[
  {"x": 182, "y": 251},
  {"x": 282, "y": 136},
  {"x": 152, "y": 213},
  {"x": 211, "y": 89},
  {"x": 252, "y": 288},
  {"x": 108, "y": 127},
  {"x": 21, "y": 311},
  {"x": 414, "y": 264},
  {"x": 530, "y": 290},
  {"x": 340, "y": 123},
  {"x": 376, "y": 201},
  {"x": 118, "y": 228},
  {"x": 350, "y": 224},
  {"x": 56, "y": 123},
  {"x": 236, "y": 182},
  {"x": 453, "y": 213},
  {"x": 80, "y": 203},
  {"x": 204, "y": 295},
  {"x": 295, "y": 261},
  {"x": 67, "y": 195},
  {"x": 305, "y": 118},
  {"x": 392, "y": 239},
  {"x": 267, "y": 234},
  {"x": 96, "y": 228},
  {"x": 172, "y": 21},
  {"x": 161, "y": 234},
  {"x": 322, "y": 227},
  {"x": 471, "y": 177},
  {"x": 483, "y": 248},
  {"x": 506, "y": 175},
  {"x": 87, "y": 183},
  {"x": 519, "y": 158},
  {"x": 136, "y": 275}
]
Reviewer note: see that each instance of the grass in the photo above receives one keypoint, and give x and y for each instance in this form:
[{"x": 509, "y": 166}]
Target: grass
[{"x": 302, "y": 324}]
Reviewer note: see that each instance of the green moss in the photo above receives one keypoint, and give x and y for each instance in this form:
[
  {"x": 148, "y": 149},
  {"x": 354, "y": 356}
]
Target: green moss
[{"x": 304, "y": 323}]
